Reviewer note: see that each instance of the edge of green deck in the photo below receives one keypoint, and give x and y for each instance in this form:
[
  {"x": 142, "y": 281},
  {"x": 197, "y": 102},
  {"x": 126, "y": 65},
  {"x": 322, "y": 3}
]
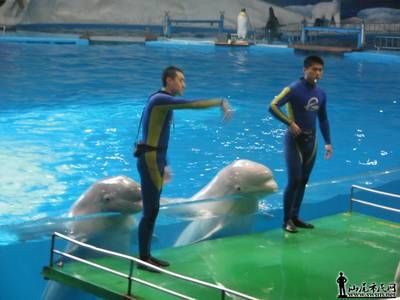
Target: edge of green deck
[
  {"x": 295, "y": 263},
  {"x": 53, "y": 274}
]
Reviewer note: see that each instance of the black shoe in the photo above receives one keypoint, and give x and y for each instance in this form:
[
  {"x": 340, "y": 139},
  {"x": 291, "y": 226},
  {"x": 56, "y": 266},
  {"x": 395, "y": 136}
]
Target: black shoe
[
  {"x": 301, "y": 224},
  {"x": 146, "y": 268},
  {"x": 158, "y": 262},
  {"x": 289, "y": 227},
  {"x": 155, "y": 262}
]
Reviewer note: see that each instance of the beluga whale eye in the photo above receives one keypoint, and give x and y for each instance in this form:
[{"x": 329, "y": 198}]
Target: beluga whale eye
[{"x": 237, "y": 188}]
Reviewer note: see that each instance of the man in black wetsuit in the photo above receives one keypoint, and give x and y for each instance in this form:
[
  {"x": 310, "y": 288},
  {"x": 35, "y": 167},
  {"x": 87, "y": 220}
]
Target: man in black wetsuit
[
  {"x": 305, "y": 103},
  {"x": 152, "y": 151}
]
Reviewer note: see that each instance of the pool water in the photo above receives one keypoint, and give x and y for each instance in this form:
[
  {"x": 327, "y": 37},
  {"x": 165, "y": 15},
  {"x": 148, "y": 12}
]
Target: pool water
[{"x": 69, "y": 116}]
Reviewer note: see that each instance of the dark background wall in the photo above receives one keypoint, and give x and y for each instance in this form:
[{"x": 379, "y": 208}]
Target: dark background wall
[{"x": 349, "y": 8}]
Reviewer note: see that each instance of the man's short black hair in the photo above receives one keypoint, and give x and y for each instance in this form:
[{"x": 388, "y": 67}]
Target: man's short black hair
[
  {"x": 169, "y": 72},
  {"x": 313, "y": 59}
]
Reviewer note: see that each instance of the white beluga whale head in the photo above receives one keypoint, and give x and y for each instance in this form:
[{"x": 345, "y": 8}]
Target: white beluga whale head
[
  {"x": 118, "y": 194},
  {"x": 226, "y": 204},
  {"x": 102, "y": 217},
  {"x": 243, "y": 178}
]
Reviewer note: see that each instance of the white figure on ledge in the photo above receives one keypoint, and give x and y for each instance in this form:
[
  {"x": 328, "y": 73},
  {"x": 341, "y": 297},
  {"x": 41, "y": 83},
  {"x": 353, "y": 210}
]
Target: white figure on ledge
[{"x": 242, "y": 24}]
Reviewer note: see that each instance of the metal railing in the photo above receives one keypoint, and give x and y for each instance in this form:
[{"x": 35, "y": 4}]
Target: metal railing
[
  {"x": 169, "y": 22},
  {"x": 132, "y": 260},
  {"x": 387, "y": 42},
  {"x": 368, "y": 203},
  {"x": 306, "y": 33},
  {"x": 382, "y": 27},
  {"x": 293, "y": 31}
]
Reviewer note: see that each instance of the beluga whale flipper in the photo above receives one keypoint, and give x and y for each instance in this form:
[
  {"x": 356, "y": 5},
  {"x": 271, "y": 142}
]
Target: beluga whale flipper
[{"x": 227, "y": 202}]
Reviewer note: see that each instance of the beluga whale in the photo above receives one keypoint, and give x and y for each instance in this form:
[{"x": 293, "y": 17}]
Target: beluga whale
[
  {"x": 104, "y": 212},
  {"x": 102, "y": 216},
  {"x": 227, "y": 203}
]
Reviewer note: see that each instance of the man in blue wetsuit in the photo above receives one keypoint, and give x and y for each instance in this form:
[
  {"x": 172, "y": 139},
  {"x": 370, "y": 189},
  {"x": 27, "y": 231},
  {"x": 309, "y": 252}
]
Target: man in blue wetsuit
[
  {"x": 152, "y": 151},
  {"x": 305, "y": 102}
]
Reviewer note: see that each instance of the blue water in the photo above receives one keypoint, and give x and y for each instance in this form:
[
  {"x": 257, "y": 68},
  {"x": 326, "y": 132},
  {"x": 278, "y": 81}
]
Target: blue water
[{"x": 69, "y": 116}]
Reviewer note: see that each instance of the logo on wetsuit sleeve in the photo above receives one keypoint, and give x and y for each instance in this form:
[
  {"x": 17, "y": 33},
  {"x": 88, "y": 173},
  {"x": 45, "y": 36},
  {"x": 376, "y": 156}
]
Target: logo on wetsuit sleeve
[{"x": 312, "y": 104}]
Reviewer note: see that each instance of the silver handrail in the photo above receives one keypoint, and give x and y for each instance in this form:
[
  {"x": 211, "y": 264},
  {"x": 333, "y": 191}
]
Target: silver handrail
[
  {"x": 368, "y": 203},
  {"x": 387, "y": 42},
  {"x": 224, "y": 291},
  {"x": 168, "y": 22}
]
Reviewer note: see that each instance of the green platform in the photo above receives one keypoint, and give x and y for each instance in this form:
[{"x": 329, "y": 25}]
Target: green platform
[{"x": 269, "y": 265}]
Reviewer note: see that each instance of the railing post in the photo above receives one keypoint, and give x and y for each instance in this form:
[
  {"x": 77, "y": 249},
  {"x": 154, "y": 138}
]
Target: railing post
[
  {"x": 222, "y": 294},
  {"x": 303, "y": 35},
  {"x": 351, "y": 199},
  {"x": 361, "y": 37},
  {"x": 130, "y": 278},
  {"x": 167, "y": 25},
  {"x": 51, "y": 249},
  {"x": 221, "y": 22}
]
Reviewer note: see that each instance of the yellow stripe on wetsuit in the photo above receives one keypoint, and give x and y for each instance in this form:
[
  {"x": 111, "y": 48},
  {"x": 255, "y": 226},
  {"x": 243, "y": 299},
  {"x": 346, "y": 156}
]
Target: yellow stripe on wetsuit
[
  {"x": 156, "y": 124},
  {"x": 312, "y": 153},
  {"x": 152, "y": 168},
  {"x": 287, "y": 119}
]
